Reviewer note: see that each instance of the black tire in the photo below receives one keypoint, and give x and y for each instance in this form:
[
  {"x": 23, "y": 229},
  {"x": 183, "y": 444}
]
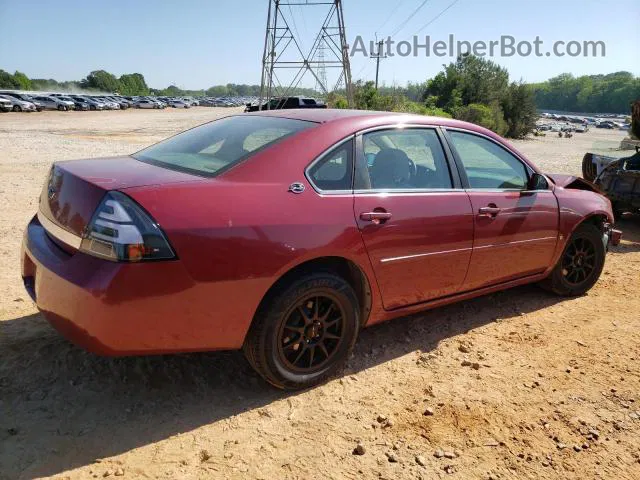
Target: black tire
[
  {"x": 61, "y": 108},
  {"x": 335, "y": 322},
  {"x": 17, "y": 108},
  {"x": 92, "y": 107},
  {"x": 575, "y": 272}
]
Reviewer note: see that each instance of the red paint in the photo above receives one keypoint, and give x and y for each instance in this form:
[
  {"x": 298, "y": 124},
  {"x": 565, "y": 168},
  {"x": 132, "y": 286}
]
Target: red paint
[{"x": 237, "y": 234}]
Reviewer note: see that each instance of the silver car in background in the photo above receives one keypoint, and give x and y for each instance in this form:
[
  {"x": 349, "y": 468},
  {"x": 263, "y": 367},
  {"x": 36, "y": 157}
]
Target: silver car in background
[
  {"x": 18, "y": 105},
  {"x": 5, "y": 105},
  {"x": 146, "y": 103},
  {"x": 54, "y": 103},
  {"x": 92, "y": 102}
]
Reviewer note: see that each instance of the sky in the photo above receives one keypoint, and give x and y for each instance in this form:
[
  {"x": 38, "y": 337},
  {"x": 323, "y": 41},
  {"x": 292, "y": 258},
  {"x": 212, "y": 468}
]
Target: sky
[{"x": 195, "y": 44}]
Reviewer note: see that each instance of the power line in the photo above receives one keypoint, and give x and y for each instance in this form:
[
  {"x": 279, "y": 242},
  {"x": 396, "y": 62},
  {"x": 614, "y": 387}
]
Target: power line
[
  {"x": 390, "y": 15},
  {"x": 438, "y": 16},
  {"x": 401, "y": 26}
]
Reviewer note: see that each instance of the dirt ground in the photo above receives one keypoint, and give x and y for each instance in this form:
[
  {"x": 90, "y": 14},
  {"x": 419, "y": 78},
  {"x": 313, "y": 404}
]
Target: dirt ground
[{"x": 553, "y": 389}]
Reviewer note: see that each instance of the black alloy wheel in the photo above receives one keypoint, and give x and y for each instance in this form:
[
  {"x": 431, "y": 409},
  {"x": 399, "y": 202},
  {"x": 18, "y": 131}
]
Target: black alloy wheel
[
  {"x": 581, "y": 262},
  {"x": 578, "y": 261},
  {"x": 311, "y": 333},
  {"x": 304, "y": 330}
]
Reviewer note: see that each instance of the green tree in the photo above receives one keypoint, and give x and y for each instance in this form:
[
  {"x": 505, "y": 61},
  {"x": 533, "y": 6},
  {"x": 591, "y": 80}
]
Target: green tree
[
  {"x": 8, "y": 81},
  {"x": 133, "y": 84},
  {"x": 23, "y": 80},
  {"x": 101, "y": 80},
  {"x": 490, "y": 117},
  {"x": 520, "y": 112}
]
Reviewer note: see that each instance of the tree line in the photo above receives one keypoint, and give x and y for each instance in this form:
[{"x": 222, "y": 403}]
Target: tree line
[{"x": 471, "y": 88}]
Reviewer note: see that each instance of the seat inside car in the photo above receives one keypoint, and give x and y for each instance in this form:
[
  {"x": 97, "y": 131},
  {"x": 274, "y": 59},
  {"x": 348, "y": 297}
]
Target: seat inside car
[{"x": 391, "y": 168}]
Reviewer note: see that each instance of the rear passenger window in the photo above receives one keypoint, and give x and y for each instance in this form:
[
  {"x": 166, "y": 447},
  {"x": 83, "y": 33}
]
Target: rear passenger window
[{"x": 334, "y": 171}]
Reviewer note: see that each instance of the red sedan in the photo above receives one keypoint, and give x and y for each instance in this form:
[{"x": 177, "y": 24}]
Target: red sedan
[{"x": 284, "y": 233}]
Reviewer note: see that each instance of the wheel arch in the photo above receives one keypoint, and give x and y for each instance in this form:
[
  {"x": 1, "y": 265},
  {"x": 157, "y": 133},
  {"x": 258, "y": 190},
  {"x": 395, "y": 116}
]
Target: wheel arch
[{"x": 341, "y": 266}]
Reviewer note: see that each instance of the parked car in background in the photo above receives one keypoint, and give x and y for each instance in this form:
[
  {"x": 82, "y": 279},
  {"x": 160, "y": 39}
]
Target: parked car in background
[
  {"x": 110, "y": 104},
  {"x": 285, "y": 233},
  {"x": 5, "y": 105},
  {"x": 178, "y": 103},
  {"x": 145, "y": 103},
  {"x": 91, "y": 102},
  {"x": 53, "y": 103},
  {"x": 286, "y": 103},
  {"x": 24, "y": 97},
  {"x": 78, "y": 103},
  {"x": 124, "y": 104},
  {"x": 18, "y": 105}
]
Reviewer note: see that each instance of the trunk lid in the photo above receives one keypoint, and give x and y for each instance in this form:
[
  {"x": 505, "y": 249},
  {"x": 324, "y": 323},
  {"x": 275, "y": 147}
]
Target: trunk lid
[{"x": 74, "y": 189}]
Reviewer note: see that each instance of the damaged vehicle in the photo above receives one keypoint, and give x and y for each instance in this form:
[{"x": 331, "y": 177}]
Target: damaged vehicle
[
  {"x": 620, "y": 182},
  {"x": 284, "y": 233}
]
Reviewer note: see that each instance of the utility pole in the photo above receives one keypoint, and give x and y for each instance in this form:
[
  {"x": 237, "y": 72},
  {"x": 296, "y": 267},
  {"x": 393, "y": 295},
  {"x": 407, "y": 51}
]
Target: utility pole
[
  {"x": 378, "y": 56},
  {"x": 282, "y": 51}
]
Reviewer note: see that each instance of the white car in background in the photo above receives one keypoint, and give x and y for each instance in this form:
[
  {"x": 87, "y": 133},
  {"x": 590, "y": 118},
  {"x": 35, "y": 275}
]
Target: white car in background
[{"x": 18, "y": 105}]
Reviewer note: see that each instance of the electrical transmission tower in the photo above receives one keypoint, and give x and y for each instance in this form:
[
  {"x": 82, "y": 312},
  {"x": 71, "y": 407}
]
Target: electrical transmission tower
[
  {"x": 282, "y": 50},
  {"x": 322, "y": 68}
]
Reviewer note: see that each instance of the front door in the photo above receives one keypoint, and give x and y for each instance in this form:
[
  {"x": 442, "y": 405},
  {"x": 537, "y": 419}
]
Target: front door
[
  {"x": 516, "y": 230},
  {"x": 416, "y": 226}
]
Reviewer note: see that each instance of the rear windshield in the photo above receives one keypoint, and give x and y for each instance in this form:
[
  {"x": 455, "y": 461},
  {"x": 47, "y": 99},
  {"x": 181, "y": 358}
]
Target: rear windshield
[{"x": 210, "y": 149}]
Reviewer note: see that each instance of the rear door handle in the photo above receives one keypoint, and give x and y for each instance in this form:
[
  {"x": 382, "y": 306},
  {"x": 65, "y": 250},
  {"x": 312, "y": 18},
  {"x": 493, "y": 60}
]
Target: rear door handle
[
  {"x": 375, "y": 217},
  {"x": 490, "y": 211}
]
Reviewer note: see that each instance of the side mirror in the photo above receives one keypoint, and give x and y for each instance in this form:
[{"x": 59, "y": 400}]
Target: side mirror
[{"x": 538, "y": 182}]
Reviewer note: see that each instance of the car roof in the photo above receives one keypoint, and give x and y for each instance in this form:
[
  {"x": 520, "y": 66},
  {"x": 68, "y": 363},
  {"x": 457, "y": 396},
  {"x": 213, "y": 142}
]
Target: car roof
[{"x": 327, "y": 115}]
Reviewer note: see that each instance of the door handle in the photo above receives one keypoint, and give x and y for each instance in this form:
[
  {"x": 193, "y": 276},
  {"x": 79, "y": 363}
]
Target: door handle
[
  {"x": 490, "y": 211},
  {"x": 375, "y": 217}
]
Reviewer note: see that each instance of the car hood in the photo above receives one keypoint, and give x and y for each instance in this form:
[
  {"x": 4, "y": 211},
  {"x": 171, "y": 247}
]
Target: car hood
[{"x": 571, "y": 181}]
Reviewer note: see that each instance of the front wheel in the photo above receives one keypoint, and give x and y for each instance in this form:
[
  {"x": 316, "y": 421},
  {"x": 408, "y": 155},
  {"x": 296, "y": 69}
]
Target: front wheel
[
  {"x": 304, "y": 332},
  {"x": 17, "y": 108},
  {"x": 581, "y": 263}
]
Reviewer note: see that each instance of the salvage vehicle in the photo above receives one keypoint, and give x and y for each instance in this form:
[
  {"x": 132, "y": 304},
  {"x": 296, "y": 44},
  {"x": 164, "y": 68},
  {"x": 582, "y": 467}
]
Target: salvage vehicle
[
  {"x": 620, "y": 182},
  {"x": 284, "y": 233}
]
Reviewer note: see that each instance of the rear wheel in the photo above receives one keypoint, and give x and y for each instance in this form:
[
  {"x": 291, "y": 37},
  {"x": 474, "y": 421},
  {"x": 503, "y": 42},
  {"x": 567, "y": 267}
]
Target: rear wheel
[
  {"x": 580, "y": 265},
  {"x": 304, "y": 332}
]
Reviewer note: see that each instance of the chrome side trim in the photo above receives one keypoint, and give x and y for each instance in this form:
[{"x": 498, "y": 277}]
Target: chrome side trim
[
  {"x": 407, "y": 257},
  {"x": 444, "y": 252},
  {"x": 541, "y": 239},
  {"x": 58, "y": 232}
]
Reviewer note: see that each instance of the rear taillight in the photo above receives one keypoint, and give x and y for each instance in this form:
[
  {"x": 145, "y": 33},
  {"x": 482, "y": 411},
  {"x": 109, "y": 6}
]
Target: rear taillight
[{"x": 122, "y": 231}]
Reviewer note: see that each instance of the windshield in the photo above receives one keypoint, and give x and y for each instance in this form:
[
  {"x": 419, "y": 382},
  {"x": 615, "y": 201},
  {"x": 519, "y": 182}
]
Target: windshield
[{"x": 209, "y": 149}]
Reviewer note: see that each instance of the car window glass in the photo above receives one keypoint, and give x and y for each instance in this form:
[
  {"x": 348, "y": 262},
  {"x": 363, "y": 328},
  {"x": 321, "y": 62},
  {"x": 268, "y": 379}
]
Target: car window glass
[
  {"x": 488, "y": 165},
  {"x": 261, "y": 137},
  {"x": 404, "y": 159},
  {"x": 334, "y": 171},
  {"x": 196, "y": 150}
]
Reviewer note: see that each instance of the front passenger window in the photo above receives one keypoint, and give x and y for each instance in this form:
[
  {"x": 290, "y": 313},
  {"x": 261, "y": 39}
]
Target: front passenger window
[{"x": 487, "y": 165}]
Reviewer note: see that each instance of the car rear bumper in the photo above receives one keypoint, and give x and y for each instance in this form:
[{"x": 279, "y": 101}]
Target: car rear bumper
[{"x": 119, "y": 309}]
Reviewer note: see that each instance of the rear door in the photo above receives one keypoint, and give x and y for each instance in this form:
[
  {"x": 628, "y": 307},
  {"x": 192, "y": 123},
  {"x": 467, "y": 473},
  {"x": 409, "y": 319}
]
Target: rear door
[
  {"x": 516, "y": 229},
  {"x": 415, "y": 220}
]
